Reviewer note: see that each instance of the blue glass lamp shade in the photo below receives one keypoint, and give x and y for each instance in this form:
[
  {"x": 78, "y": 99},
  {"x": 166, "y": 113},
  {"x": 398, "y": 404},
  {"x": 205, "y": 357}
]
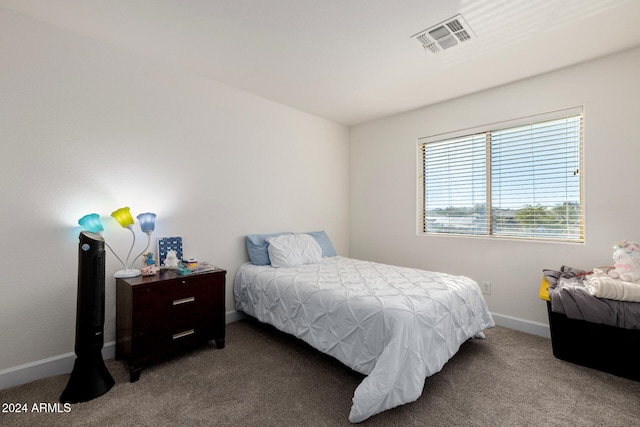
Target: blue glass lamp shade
[
  {"x": 91, "y": 223},
  {"x": 147, "y": 222}
]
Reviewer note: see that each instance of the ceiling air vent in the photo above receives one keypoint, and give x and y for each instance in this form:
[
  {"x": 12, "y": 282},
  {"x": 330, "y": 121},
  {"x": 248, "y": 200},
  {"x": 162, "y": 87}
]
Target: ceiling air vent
[{"x": 446, "y": 34}]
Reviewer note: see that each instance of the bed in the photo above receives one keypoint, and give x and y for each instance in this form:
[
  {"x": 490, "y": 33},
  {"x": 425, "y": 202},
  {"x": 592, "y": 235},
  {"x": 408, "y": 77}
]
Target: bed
[{"x": 396, "y": 325}]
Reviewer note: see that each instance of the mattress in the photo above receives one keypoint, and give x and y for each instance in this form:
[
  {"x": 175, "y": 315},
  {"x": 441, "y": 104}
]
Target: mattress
[{"x": 394, "y": 324}]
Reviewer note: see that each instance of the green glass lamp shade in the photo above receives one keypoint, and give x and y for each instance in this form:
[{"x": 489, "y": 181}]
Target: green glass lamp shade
[
  {"x": 123, "y": 216},
  {"x": 91, "y": 223},
  {"x": 147, "y": 222}
]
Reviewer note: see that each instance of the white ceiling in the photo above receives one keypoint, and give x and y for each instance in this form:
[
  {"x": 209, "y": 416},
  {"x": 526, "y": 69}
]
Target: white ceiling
[{"x": 352, "y": 61}]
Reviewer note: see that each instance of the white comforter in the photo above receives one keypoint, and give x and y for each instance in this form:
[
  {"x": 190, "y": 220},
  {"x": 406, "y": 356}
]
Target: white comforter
[{"x": 396, "y": 325}]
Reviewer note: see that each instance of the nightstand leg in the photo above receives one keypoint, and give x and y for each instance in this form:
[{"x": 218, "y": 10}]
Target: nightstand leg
[
  {"x": 134, "y": 374},
  {"x": 220, "y": 343}
]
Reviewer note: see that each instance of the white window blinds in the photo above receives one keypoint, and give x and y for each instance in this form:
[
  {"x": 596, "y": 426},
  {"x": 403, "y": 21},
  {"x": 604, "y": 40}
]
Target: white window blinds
[{"x": 529, "y": 172}]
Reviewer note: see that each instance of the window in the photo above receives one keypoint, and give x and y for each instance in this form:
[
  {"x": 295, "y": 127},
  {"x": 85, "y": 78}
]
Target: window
[{"x": 528, "y": 171}]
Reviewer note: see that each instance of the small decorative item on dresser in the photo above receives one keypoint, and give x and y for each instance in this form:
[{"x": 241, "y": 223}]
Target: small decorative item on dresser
[
  {"x": 171, "y": 261},
  {"x": 166, "y": 244},
  {"x": 186, "y": 268},
  {"x": 161, "y": 315},
  {"x": 151, "y": 265},
  {"x": 149, "y": 259}
]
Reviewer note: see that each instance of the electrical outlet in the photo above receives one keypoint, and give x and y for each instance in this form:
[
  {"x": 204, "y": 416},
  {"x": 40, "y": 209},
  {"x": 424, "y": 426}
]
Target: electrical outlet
[{"x": 485, "y": 287}]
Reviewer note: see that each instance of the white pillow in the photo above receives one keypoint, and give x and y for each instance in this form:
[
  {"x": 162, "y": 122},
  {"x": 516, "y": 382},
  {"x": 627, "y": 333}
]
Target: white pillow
[{"x": 293, "y": 249}]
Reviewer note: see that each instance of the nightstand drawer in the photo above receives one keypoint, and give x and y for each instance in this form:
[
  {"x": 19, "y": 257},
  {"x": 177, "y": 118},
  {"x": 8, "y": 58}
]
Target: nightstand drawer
[
  {"x": 168, "y": 302},
  {"x": 162, "y": 338}
]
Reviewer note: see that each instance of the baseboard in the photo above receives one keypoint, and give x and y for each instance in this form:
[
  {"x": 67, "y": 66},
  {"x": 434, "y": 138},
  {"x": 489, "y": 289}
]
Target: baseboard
[
  {"x": 57, "y": 365},
  {"x": 234, "y": 316},
  {"x": 534, "y": 328},
  {"x": 63, "y": 364}
]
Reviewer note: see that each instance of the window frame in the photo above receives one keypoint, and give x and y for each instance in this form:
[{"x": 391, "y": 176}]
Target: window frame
[{"x": 422, "y": 209}]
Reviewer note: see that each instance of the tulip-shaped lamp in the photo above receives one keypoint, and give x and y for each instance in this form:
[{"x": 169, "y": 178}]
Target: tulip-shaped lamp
[{"x": 147, "y": 222}]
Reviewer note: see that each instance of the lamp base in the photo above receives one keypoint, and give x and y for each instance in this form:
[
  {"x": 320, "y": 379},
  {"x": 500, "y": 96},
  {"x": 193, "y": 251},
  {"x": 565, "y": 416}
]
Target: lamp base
[{"x": 125, "y": 274}]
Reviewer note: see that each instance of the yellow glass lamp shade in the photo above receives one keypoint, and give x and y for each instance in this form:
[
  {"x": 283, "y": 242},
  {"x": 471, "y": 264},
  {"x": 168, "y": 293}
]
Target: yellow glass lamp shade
[{"x": 123, "y": 216}]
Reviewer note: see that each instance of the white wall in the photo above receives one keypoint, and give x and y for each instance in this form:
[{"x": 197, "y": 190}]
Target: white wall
[
  {"x": 383, "y": 182},
  {"x": 86, "y": 127}
]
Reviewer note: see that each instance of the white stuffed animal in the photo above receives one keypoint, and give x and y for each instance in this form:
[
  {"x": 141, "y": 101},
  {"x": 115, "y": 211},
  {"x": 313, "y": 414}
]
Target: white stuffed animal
[
  {"x": 627, "y": 261},
  {"x": 171, "y": 261}
]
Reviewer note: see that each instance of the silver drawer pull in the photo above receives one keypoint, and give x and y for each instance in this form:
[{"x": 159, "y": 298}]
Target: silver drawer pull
[
  {"x": 183, "y": 334},
  {"x": 184, "y": 300}
]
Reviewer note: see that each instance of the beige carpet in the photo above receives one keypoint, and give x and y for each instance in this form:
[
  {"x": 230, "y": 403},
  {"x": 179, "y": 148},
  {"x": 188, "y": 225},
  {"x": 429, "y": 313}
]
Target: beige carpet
[{"x": 266, "y": 378}]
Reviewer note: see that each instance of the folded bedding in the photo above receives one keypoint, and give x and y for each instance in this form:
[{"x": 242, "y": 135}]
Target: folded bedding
[
  {"x": 396, "y": 325},
  {"x": 602, "y": 286},
  {"x": 593, "y": 297}
]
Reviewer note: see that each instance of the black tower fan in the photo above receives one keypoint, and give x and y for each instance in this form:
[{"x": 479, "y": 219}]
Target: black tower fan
[{"x": 90, "y": 377}]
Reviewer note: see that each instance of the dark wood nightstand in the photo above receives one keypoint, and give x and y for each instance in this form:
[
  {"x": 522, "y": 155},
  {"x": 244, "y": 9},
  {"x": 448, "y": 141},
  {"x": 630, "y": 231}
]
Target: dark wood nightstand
[{"x": 160, "y": 315}]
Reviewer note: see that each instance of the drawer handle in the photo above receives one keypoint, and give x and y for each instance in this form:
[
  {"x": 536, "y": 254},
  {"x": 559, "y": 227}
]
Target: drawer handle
[
  {"x": 183, "y": 334},
  {"x": 184, "y": 300}
]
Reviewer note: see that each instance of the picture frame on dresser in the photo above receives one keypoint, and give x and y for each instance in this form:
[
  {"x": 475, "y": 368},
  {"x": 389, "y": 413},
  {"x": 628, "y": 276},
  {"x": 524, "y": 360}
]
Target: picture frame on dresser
[{"x": 166, "y": 244}]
